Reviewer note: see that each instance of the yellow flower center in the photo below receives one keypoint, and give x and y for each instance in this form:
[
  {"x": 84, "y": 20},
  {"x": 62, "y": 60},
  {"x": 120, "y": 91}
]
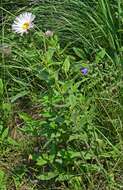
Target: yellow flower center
[{"x": 25, "y": 26}]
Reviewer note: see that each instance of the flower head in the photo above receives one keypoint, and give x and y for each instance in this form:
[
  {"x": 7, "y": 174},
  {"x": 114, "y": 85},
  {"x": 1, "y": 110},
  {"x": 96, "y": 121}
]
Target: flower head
[
  {"x": 5, "y": 49},
  {"x": 84, "y": 71},
  {"x": 49, "y": 33},
  {"x": 23, "y": 23}
]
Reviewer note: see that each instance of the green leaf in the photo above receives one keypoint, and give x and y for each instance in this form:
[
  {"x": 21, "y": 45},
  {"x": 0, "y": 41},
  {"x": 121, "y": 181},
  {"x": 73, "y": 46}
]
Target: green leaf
[
  {"x": 1, "y": 176},
  {"x": 41, "y": 161},
  {"x": 19, "y": 95},
  {"x": 1, "y": 87},
  {"x": 5, "y": 134},
  {"x": 49, "y": 55},
  {"x": 73, "y": 154},
  {"x": 47, "y": 176},
  {"x": 80, "y": 136},
  {"x": 6, "y": 108},
  {"x": 12, "y": 141},
  {"x": 43, "y": 75},
  {"x": 72, "y": 100},
  {"x": 66, "y": 65},
  {"x": 2, "y": 180},
  {"x": 64, "y": 177},
  {"x": 25, "y": 117},
  {"x": 79, "y": 52},
  {"x": 100, "y": 55},
  {"x": 1, "y": 128}
]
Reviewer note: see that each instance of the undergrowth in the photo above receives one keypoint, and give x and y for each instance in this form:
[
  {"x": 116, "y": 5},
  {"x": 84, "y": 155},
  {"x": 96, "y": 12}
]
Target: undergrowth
[{"x": 61, "y": 128}]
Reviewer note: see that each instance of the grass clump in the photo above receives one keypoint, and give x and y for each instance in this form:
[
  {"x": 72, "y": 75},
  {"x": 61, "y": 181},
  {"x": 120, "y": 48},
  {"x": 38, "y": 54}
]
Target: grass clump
[
  {"x": 90, "y": 24},
  {"x": 61, "y": 98}
]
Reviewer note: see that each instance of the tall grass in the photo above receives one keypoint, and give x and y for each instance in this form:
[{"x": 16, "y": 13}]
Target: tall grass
[{"x": 91, "y": 24}]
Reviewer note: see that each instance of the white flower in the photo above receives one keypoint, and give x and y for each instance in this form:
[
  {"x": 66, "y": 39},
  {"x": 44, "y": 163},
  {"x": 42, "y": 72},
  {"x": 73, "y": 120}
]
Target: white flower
[{"x": 23, "y": 23}]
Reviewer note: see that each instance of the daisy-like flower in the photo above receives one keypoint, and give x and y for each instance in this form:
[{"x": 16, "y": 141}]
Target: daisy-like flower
[{"x": 23, "y": 23}]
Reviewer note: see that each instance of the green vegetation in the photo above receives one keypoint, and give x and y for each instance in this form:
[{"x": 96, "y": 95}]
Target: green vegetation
[{"x": 61, "y": 106}]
